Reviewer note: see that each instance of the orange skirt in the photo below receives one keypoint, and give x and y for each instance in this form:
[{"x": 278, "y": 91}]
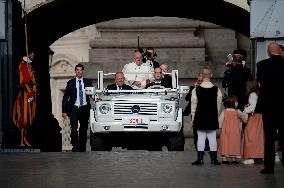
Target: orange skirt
[
  {"x": 230, "y": 138},
  {"x": 254, "y": 137}
]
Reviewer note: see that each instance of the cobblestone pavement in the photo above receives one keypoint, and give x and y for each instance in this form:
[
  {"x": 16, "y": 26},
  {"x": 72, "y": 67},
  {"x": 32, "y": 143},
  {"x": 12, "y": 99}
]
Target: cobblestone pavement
[{"x": 122, "y": 168}]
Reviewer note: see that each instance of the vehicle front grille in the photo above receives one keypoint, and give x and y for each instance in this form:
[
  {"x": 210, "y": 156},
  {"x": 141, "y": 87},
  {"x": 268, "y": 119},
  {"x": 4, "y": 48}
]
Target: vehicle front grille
[{"x": 121, "y": 108}]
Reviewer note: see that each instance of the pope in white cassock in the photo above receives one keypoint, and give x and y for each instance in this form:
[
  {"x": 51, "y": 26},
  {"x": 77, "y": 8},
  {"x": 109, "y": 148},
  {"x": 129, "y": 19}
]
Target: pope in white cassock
[{"x": 137, "y": 74}]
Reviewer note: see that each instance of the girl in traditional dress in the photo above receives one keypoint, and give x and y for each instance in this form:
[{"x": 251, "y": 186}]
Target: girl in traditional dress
[
  {"x": 253, "y": 132},
  {"x": 230, "y": 121}
]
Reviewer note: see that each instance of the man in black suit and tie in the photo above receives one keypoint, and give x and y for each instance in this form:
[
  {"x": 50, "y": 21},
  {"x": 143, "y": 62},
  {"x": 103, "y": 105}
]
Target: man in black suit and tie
[
  {"x": 167, "y": 79},
  {"x": 159, "y": 81},
  {"x": 150, "y": 58},
  {"x": 119, "y": 83},
  {"x": 76, "y": 105},
  {"x": 270, "y": 77}
]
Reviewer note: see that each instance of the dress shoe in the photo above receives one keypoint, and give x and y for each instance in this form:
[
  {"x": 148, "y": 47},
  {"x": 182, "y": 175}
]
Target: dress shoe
[
  {"x": 213, "y": 156},
  {"x": 198, "y": 162},
  {"x": 258, "y": 161},
  {"x": 266, "y": 171},
  {"x": 235, "y": 162},
  {"x": 226, "y": 162},
  {"x": 215, "y": 162}
]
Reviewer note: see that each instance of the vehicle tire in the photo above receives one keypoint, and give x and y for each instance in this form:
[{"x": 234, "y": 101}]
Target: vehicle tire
[
  {"x": 99, "y": 142},
  {"x": 155, "y": 144},
  {"x": 154, "y": 148},
  {"x": 176, "y": 142}
]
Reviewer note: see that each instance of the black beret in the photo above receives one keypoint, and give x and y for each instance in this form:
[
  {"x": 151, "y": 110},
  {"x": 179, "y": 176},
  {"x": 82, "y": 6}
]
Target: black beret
[{"x": 241, "y": 52}]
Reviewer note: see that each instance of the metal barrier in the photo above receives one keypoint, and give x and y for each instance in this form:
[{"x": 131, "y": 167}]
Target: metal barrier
[{"x": 66, "y": 139}]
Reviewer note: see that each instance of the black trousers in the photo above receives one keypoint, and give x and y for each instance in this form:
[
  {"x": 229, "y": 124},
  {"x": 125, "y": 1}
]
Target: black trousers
[
  {"x": 80, "y": 114},
  {"x": 272, "y": 124}
]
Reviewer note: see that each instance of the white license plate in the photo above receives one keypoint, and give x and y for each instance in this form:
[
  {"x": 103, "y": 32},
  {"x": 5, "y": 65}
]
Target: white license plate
[{"x": 135, "y": 120}]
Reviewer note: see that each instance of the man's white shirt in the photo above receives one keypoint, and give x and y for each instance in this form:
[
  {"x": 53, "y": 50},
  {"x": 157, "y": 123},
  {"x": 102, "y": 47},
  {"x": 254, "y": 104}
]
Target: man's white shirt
[{"x": 149, "y": 63}]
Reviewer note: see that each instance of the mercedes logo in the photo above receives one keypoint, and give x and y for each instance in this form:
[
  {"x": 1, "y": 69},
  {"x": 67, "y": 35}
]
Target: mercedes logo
[{"x": 135, "y": 109}]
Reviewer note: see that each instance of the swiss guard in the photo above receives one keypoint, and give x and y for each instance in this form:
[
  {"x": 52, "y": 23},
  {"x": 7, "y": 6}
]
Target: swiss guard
[{"x": 25, "y": 104}]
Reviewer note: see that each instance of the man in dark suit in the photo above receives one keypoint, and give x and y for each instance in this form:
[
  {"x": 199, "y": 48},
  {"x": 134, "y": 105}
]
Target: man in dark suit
[
  {"x": 158, "y": 79},
  {"x": 167, "y": 79},
  {"x": 76, "y": 105},
  {"x": 235, "y": 80},
  {"x": 270, "y": 77},
  {"x": 187, "y": 110},
  {"x": 119, "y": 83},
  {"x": 150, "y": 58}
]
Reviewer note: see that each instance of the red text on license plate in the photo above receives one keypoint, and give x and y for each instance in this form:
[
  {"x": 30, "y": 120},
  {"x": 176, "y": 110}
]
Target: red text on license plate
[{"x": 135, "y": 121}]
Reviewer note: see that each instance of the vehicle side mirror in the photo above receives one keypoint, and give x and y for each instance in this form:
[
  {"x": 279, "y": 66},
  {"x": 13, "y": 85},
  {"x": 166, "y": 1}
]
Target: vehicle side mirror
[
  {"x": 183, "y": 89},
  {"x": 90, "y": 90}
]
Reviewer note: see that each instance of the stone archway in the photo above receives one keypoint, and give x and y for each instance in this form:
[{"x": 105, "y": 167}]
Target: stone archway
[
  {"x": 184, "y": 44},
  {"x": 49, "y": 22},
  {"x": 57, "y": 18}
]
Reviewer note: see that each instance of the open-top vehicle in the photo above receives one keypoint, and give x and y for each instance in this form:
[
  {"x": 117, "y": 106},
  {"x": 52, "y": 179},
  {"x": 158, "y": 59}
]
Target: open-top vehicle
[{"x": 136, "y": 119}]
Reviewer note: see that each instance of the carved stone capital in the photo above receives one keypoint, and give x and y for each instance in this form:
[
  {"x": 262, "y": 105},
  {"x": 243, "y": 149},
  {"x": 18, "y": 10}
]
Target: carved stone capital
[{"x": 61, "y": 68}]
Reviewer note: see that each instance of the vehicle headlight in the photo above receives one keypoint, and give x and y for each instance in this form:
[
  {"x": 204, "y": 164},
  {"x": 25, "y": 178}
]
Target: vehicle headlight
[
  {"x": 104, "y": 108},
  {"x": 167, "y": 108}
]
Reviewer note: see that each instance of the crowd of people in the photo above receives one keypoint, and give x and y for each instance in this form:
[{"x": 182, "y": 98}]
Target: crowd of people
[
  {"x": 247, "y": 114},
  {"x": 250, "y": 122}
]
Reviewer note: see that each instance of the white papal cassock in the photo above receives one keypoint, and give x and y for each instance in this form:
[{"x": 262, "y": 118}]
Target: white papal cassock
[{"x": 131, "y": 72}]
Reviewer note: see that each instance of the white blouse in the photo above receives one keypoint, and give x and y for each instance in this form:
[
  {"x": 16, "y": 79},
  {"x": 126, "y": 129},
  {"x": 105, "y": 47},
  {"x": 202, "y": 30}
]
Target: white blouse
[{"x": 250, "y": 107}]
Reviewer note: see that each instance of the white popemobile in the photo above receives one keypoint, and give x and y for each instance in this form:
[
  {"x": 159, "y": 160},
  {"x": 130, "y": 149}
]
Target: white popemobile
[{"x": 136, "y": 119}]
